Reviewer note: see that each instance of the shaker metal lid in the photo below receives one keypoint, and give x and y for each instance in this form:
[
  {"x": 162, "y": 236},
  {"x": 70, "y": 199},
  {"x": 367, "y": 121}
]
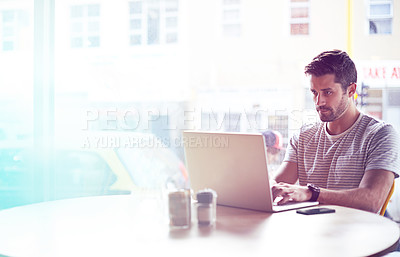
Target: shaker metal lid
[{"x": 206, "y": 196}]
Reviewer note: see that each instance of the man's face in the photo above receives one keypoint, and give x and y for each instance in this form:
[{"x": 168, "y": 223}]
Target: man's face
[{"x": 330, "y": 100}]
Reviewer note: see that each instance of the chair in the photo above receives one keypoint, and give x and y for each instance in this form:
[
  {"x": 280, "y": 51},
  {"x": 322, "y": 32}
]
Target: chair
[{"x": 385, "y": 204}]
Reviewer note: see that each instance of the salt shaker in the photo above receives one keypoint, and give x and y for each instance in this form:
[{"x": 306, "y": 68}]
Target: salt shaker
[
  {"x": 206, "y": 207},
  {"x": 179, "y": 205}
]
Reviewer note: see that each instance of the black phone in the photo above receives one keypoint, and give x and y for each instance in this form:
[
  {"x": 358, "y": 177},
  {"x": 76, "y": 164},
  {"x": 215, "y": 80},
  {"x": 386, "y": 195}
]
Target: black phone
[{"x": 315, "y": 211}]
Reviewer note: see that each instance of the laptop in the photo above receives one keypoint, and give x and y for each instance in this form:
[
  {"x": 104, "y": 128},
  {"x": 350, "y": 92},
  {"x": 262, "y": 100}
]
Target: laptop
[{"x": 235, "y": 166}]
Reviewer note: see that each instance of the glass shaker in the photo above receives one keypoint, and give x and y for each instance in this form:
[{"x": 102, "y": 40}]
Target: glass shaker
[
  {"x": 179, "y": 205},
  {"x": 206, "y": 207}
]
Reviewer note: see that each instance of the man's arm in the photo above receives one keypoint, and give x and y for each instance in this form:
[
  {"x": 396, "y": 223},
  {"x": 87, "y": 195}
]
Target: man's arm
[
  {"x": 370, "y": 195},
  {"x": 287, "y": 173}
]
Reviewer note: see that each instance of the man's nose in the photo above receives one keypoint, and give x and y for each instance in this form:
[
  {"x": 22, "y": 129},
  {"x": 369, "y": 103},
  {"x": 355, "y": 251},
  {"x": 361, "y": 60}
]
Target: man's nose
[{"x": 319, "y": 100}]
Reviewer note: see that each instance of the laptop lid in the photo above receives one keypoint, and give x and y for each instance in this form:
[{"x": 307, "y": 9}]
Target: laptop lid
[{"x": 232, "y": 164}]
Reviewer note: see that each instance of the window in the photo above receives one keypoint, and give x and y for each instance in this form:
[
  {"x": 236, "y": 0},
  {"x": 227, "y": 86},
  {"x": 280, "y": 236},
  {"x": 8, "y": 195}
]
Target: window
[
  {"x": 16, "y": 106},
  {"x": 153, "y": 22},
  {"x": 171, "y": 21},
  {"x": 394, "y": 97},
  {"x": 299, "y": 17},
  {"x": 87, "y": 77},
  {"x": 14, "y": 24},
  {"x": 232, "y": 122},
  {"x": 153, "y": 26},
  {"x": 279, "y": 123},
  {"x": 80, "y": 173},
  {"x": 15, "y": 176},
  {"x": 85, "y": 26},
  {"x": 380, "y": 15},
  {"x": 231, "y": 24},
  {"x": 210, "y": 121}
]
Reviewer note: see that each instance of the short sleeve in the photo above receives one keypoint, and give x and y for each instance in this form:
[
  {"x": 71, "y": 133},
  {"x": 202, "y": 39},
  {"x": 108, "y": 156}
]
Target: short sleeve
[
  {"x": 291, "y": 150},
  {"x": 384, "y": 151}
]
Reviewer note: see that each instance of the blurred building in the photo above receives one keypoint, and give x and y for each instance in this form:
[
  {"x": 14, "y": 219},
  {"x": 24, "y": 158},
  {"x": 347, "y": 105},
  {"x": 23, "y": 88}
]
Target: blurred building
[{"x": 232, "y": 65}]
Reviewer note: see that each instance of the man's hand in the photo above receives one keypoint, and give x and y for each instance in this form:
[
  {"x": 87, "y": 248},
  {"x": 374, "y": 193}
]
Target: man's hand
[{"x": 289, "y": 192}]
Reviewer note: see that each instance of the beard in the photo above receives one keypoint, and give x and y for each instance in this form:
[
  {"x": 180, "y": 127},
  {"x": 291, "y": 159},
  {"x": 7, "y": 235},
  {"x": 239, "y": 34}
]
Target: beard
[{"x": 330, "y": 114}]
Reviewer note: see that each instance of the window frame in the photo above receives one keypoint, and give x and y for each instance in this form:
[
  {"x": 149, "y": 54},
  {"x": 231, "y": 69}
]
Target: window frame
[
  {"x": 85, "y": 20},
  {"x": 379, "y": 17},
  {"x": 229, "y": 23},
  {"x": 165, "y": 32},
  {"x": 294, "y": 21},
  {"x": 18, "y": 23}
]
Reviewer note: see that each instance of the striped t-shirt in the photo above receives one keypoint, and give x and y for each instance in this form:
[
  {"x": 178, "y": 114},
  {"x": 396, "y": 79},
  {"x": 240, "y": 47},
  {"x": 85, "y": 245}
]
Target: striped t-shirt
[{"x": 339, "y": 161}]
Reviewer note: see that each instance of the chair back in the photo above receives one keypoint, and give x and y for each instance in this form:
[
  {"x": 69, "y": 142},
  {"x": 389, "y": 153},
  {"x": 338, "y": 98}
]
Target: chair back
[{"x": 385, "y": 204}]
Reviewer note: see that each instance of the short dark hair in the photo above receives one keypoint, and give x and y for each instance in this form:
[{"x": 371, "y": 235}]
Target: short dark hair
[{"x": 334, "y": 62}]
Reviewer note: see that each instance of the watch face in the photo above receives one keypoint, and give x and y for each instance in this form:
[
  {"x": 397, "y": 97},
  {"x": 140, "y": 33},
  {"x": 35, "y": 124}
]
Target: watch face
[
  {"x": 313, "y": 187},
  {"x": 314, "y": 192}
]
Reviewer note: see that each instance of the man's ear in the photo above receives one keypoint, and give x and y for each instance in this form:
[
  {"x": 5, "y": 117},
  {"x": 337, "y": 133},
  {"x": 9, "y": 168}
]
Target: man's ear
[{"x": 351, "y": 90}]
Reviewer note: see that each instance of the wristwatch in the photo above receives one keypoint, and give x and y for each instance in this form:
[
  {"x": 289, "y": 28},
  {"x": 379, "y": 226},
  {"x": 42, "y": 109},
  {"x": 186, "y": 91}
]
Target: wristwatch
[{"x": 314, "y": 192}]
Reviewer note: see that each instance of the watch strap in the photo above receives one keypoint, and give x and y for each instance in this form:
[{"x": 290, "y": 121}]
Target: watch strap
[{"x": 314, "y": 192}]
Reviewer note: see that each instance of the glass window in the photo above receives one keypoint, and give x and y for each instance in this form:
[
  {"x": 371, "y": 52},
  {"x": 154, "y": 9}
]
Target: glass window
[
  {"x": 85, "y": 26},
  {"x": 299, "y": 29},
  {"x": 299, "y": 17},
  {"x": 8, "y": 46},
  {"x": 8, "y": 16},
  {"x": 15, "y": 176},
  {"x": 80, "y": 173},
  {"x": 279, "y": 123},
  {"x": 17, "y": 186},
  {"x": 232, "y": 122},
  {"x": 380, "y": 26},
  {"x": 136, "y": 40},
  {"x": 76, "y": 42},
  {"x": 135, "y": 7},
  {"x": 93, "y": 10},
  {"x": 380, "y": 9},
  {"x": 231, "y": 14},
  {"x": 8, "y": 31},
  {"x": 94, "y": 27},
  {"x": 234, "y": 2},
  {"x": 94, "y": 41},
  {"x": 380, "y": 17},
  {"x": 122, "y": 72},
  {"x": 172, "y": 38},
  {"x": 299, "y": 12},
  {"x": 232, "y": 30},
  {"x": 153, "y": 26},
  {"x": 13, "y": 28},
  {"x": 136, "y": 24},
  {"x": 149, "y": 166},
  {"x": 153, "y": 22},
  {"x": 77, "y": 11},
  {"x": 231, "y": 18},
  {"x": 171, "y": 5},
  {"x": 76, "y": 27},
  {"x": 171, "y": 22},
  {"x": 210, "y": 120}
]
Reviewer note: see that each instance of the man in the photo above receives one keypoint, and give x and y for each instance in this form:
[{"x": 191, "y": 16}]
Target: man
[{"x": 348, "y": 159}]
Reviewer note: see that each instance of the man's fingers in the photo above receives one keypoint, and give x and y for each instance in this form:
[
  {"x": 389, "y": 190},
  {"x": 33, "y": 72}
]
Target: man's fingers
[
  {"x": 285, "y": 198},
  {"x": 281, "y": 191}
]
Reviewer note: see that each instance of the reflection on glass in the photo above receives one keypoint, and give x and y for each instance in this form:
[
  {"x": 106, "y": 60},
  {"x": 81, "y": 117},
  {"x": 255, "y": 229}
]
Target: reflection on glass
[
  {"x": 16, "y": 59},
  {"x": 157, "y": 67}
]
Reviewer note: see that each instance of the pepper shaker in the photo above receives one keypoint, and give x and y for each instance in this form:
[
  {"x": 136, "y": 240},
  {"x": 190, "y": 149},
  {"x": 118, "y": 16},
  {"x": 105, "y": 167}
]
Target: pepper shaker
[{"x": 206, "y": 207}]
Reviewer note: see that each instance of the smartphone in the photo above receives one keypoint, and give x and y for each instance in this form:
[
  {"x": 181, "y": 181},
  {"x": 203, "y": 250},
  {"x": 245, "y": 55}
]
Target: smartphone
[{"x": 315, "y": 211}]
